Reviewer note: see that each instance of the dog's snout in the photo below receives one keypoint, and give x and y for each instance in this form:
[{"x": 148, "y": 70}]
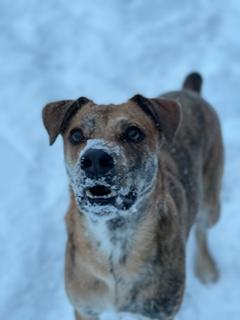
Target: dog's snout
[{"x": 96, "y": 163}]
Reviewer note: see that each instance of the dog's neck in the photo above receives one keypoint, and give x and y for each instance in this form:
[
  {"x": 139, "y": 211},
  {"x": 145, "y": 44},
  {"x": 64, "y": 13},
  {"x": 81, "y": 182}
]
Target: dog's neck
[{"x": 114, "y": 237}]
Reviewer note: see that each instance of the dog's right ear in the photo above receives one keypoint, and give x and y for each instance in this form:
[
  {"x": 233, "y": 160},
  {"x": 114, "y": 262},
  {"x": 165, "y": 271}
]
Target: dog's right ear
[{"x": 56, "y": 115}]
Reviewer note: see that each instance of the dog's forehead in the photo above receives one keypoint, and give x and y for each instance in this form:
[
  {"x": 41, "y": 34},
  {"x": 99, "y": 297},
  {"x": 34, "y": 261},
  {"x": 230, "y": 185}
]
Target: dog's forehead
[{"x": 95, "y": 115}]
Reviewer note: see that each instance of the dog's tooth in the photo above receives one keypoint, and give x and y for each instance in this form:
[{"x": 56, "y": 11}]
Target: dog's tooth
[{"x": 88, "y": 193}]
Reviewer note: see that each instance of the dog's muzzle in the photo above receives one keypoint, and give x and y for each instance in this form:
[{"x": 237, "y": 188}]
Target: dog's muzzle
[{"x": 102, "y": 185}]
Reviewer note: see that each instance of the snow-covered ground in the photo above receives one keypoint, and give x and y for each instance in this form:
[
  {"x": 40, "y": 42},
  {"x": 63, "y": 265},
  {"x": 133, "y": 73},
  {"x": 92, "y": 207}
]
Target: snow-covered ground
[{"x": 107, "y": 51}]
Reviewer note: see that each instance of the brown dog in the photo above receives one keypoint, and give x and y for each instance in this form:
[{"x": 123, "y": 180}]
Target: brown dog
[{"x": 141, "y": 173}]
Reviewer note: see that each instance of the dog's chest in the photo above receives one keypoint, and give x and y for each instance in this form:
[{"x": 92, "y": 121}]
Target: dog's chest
[
  {"x": 111, "y": 238},
  {"x": 112, "y": 242}
]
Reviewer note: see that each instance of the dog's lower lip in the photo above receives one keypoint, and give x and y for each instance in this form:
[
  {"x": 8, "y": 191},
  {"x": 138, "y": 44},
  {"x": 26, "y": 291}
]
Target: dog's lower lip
[{"x": 102, "y": 201}]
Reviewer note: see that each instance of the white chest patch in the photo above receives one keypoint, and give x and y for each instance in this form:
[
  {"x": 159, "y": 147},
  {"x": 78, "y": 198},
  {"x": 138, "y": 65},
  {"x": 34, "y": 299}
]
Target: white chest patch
[{"x": 113, "y": 241}]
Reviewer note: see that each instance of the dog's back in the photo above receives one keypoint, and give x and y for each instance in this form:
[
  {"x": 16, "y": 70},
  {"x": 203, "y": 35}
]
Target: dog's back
[{"x": 197, "y": 150}]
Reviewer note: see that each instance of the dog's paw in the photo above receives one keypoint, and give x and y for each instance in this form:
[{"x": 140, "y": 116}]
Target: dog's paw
[{"x": 206, "y": 270}]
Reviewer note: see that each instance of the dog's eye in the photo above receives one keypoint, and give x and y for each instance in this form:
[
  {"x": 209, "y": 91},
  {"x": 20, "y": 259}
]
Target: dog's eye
[
  {"x": 76, "y": 136},
  {"x": 133, "y": 134}
]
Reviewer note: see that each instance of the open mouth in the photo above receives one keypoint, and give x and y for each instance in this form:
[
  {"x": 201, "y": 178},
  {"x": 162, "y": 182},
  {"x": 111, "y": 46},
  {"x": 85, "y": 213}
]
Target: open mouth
[{"x": 101, "y": 195}]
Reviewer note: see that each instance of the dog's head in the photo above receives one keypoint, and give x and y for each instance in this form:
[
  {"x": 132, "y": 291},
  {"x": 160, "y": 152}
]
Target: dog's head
[{"x": 112, "y": 151}]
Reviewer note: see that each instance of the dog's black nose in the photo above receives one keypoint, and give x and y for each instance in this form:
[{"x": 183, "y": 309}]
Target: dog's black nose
[{"x": 96, "y": 163}]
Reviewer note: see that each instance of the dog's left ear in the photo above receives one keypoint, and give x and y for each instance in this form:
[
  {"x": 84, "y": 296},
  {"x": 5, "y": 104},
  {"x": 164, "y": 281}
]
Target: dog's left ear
[
  {"x": 56, "y": 115},
  {"x": 166, "y": 114}
]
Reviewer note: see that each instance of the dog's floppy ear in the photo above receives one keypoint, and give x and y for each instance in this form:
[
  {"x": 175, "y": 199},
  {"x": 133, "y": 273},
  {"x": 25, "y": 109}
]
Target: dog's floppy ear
[
  {"x": 166, "y": 114},
  {"x": 56, "y": 115}
]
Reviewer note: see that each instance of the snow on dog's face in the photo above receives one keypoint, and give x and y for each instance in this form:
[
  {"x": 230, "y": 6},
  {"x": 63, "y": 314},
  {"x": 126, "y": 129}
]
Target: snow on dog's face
[
  {"x": 111, "y": 153},
  {"x": 111, "y": 159}
]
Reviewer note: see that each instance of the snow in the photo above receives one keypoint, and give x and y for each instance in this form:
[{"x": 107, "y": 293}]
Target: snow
[{"x": 107, "y": 51}]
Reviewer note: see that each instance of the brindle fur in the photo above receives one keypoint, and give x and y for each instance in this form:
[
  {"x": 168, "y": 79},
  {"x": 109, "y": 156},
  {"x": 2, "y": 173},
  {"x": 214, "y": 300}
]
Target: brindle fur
[{"x": 143, "y": 271}]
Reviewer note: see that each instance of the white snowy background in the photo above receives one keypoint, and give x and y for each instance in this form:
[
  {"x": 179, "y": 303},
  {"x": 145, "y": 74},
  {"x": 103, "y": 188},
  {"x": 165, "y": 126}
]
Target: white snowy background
[{"x": 107, "y": 51}]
